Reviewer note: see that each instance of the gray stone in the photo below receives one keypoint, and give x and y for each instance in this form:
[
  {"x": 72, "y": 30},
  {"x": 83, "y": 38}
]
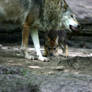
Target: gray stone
[
  {"x": 19, "y": 79},
  {"x": 82, "y": 8}
]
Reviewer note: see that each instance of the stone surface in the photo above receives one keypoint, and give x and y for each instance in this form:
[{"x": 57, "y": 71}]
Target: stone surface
[
  {"x": 60, "y": 74},
  {"x": 72, "y": 74},
  {"x": 19, "y": 79},
  {"x": 82, "y": 8}
]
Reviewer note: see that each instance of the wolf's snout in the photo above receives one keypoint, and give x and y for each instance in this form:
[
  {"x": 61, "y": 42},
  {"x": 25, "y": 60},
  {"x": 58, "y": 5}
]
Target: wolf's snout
[
  {"x": 51, "y": 54},
  {"x": 74, "y": 28}
]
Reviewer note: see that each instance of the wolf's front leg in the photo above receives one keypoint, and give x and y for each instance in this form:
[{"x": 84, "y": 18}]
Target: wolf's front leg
[
  {"x": 66, "y": 50},
  {"x": 25, "y": 37},
  {"x": 35, "y": 38}
]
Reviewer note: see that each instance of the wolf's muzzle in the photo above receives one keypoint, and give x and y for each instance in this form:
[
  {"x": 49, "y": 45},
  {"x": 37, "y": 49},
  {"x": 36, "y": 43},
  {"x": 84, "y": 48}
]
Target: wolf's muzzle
[{"x": 74, "y": 28}]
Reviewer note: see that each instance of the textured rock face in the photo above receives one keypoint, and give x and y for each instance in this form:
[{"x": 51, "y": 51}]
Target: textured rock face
[
  {"x": 82, "y": 8},
  {"x": 18, "y": 79}
]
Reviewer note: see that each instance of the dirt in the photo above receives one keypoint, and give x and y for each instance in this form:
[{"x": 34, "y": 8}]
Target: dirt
[
  {"x": 79, "y": 60},
  {"x": 60, "y": 74}
]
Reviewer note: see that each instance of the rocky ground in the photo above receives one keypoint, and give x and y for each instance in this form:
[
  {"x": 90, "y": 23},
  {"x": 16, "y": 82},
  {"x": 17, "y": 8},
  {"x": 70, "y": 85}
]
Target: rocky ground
[{"x": 60, "y": 74}]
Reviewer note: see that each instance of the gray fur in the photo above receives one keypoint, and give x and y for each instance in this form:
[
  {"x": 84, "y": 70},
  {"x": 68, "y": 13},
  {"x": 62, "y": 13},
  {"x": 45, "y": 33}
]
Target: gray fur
[
  {"x": 14, "y": 11},
  {"x": 46, "y": 12}
]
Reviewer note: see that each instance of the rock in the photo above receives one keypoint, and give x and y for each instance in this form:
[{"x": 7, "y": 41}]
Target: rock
[
  {"x": 67, "y": 83},
  {"x": 19, "y": 79},
  {"x": 12, "y": 79},
  {"x": 82, "y": 8}
]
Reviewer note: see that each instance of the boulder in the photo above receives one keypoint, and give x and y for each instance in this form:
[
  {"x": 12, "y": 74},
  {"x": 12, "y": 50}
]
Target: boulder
[
  {"x": 18, "y": 79},
  {"x": 82, "y": 8}
]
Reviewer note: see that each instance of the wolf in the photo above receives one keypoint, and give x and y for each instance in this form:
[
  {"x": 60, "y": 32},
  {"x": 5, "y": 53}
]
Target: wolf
[
  {"x": 55, "y": 39},
  {"x": 31, "y": 16}
]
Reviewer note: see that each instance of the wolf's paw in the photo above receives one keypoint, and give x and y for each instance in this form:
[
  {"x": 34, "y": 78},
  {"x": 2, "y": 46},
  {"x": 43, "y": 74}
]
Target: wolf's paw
[
  {"x": 44, "y": 59},
  {"x": 66, "y": 56}
]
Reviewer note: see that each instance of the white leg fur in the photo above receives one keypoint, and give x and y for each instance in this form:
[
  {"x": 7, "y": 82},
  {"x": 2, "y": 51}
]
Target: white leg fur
[{"x": 35, "y": 38}]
